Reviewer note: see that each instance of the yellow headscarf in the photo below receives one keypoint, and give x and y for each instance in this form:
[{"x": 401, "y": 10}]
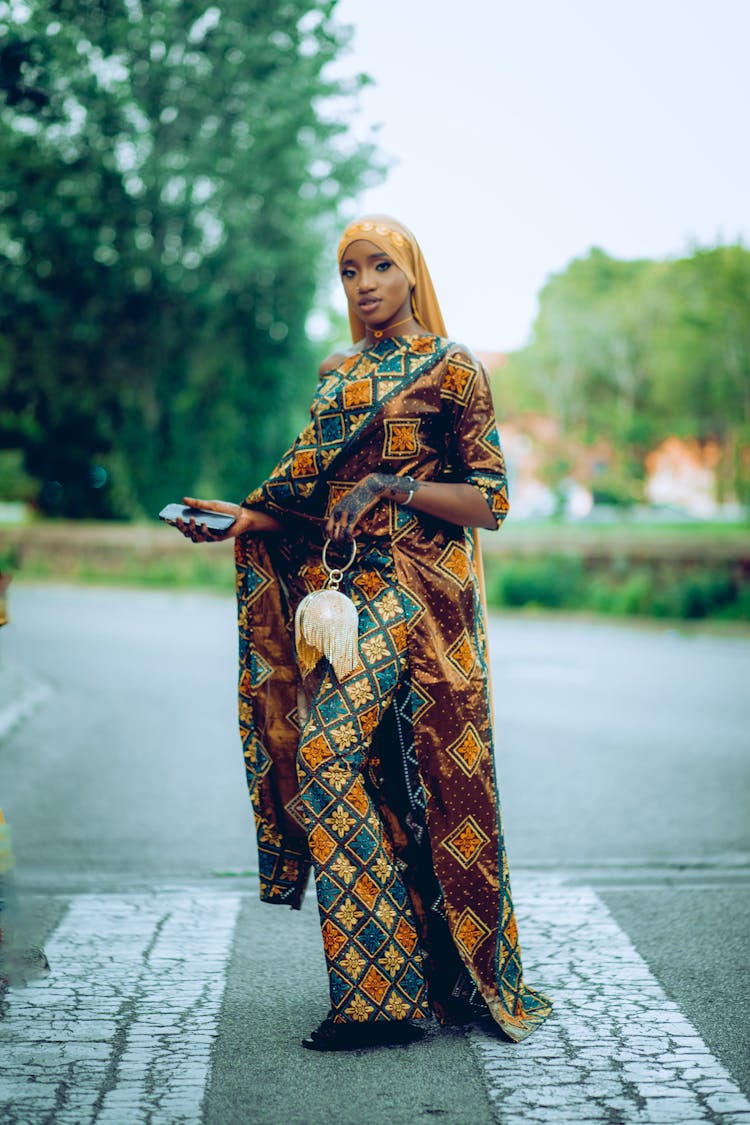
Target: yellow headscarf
[{"x": 396, "y": 240}]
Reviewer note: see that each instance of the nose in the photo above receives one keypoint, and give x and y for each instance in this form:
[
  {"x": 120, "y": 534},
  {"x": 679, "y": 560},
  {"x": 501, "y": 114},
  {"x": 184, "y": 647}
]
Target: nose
[{"x": 366, "y": 281}]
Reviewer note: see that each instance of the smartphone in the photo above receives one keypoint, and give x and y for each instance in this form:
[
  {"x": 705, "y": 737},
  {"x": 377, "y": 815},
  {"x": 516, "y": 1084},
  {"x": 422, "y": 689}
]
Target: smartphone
[{"x": 214, "y": 521}]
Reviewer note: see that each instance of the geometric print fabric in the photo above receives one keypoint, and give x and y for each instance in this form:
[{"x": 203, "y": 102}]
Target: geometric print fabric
[
  {"x": 403, "y": 405},
  {"x": 369, "y": 933},
  {"x": 345, "y": 402}
]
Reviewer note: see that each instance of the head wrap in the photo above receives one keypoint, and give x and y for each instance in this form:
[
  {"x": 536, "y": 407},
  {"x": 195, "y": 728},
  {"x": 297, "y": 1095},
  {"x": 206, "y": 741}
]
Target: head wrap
[{"x": 397, "y": 241}]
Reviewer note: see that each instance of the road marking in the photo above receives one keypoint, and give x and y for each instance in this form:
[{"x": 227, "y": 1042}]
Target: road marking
[
  {"x": 616, "y": 1049},
  {"x": 123, "y": 1027}
]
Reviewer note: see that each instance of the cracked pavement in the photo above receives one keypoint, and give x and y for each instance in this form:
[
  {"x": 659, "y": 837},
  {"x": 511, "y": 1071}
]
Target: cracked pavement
[{"x": 175, "y": 996}]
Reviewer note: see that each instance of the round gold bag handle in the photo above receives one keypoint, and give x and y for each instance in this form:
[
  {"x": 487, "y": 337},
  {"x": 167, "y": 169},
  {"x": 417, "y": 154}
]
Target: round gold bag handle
[{"x": 336, "y": 573}]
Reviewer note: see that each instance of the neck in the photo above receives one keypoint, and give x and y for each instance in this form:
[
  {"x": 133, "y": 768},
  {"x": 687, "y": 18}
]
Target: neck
[{"x": 390, "y": 330}]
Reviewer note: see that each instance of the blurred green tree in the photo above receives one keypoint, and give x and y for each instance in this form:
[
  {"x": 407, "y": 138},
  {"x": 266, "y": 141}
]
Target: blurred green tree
[
  {"x": 700, "y": 347},
  {"x": 170, "y": 174},
  {"x": 633, "y": 351}
]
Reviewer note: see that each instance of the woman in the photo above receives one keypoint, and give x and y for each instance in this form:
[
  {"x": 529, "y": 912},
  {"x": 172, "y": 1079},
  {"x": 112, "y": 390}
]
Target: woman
[{"x": 381, "y": 775}]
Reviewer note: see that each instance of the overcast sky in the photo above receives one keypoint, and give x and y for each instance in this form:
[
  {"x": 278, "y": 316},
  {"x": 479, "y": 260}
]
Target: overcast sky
[{"x": 520, "y": 134}]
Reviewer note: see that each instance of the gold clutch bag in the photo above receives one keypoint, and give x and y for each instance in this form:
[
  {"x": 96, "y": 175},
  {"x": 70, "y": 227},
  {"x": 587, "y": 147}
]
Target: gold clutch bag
[{"x": 326, "y": 623}]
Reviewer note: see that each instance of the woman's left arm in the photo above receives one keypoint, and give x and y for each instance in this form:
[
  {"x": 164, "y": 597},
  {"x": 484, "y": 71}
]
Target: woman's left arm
[
  {"x": 481, "y": 498},
  {"x": 475, "y": 453},
  {"x": 462, "y": 504}
]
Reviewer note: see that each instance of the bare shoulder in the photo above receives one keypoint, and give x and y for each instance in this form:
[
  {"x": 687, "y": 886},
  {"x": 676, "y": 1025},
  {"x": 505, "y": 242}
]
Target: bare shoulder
[
  {"x": 335, "y": 358},
  {"x": 330, "y": 362}
]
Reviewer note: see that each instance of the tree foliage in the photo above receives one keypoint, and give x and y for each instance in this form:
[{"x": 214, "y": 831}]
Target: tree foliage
[
  {"x": 635, "y": 351},
  {"x": 170, "y": 175}
]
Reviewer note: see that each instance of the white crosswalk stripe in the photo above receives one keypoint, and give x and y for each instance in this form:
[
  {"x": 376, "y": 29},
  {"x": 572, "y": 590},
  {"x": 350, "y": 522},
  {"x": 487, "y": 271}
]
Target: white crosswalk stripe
[
  {"x": 123, "y": 1028},
  {"x": 617, "y": 1049}
]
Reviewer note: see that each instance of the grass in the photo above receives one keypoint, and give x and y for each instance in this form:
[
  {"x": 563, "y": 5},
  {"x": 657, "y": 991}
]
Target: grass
[
  {"x": 160, "y": 573},
  {"x": 203, "y": 571}
]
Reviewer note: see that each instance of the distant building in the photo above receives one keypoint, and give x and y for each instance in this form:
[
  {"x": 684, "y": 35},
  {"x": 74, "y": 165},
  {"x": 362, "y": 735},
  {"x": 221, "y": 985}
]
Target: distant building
[{"x": 682, "y": 474}]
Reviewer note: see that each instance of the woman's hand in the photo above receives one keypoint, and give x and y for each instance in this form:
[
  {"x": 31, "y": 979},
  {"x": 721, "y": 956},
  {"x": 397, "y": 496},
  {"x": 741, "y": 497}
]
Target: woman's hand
[
  {"x": 459, "y": 503},
  {"x": 350, "y": 509},
  {"x": 245, "y": 520}
]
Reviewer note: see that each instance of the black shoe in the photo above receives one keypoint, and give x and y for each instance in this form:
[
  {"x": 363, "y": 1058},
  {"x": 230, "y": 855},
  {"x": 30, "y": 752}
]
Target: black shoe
[
  {"x": 466, "y": 1010},
  {"x": 330, "y": 1036}
]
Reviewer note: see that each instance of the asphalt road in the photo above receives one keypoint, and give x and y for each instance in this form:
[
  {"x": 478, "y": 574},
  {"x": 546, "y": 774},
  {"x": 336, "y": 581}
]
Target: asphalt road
[{"x": 623, "y": 764}]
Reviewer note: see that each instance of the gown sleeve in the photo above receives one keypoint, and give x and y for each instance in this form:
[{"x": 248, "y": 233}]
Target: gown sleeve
[
  {"x": 476, "y": 452},
  {"x": 289, "y": 488}
]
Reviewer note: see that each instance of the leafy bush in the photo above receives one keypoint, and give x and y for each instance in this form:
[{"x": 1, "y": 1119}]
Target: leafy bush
[
  {"x": 630, "y": 595},
  {"x": 648, "y": 589},
  {"x": 555, "y": 582},
  {"x": 697, "y": 593}
]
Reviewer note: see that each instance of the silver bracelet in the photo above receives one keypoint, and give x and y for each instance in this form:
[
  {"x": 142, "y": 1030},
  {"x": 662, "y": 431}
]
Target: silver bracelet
[{"x": 412, "y": 488}]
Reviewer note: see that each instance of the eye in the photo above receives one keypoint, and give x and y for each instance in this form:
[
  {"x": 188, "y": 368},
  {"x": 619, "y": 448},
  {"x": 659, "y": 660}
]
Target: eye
[
  {"x": 347, "y": 273},
  {"x": 383, "y": 266}
]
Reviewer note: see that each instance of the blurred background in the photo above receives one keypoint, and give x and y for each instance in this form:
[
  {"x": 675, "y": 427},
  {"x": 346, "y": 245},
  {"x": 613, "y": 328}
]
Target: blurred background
[{"x": 173, "y": 179}]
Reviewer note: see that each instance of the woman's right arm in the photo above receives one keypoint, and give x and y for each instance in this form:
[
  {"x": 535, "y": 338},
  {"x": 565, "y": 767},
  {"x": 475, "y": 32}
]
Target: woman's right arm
[
  {"x": 246, "y": 521},
  {"x": 250, "y": 520}
]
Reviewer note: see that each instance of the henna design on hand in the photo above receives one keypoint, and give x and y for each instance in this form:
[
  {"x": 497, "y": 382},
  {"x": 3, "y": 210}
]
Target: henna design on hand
[
  {"x": 390, "y": 483},
  {"x": 363, "y": 496}
]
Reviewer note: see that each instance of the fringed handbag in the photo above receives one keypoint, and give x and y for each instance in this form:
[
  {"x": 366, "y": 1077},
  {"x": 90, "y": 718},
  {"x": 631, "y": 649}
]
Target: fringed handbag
[{"x": 326, "y": 623}]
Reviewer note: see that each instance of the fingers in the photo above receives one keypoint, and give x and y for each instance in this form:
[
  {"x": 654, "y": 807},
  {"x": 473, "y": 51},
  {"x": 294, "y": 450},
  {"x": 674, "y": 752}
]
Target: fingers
[
  {"x": 207, "y": 534},
  {"x": 339, "y": 526},
  {"x": 343, "y": 532},
  {"x": 210, "y": 505},
  {"x": 184, "y": 528},
  {"x": 334, "y": 525},
  {"x": 197, "y": 533}
]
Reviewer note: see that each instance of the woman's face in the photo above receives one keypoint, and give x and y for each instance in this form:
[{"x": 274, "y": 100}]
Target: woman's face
[{"x": 376, "y": 289}]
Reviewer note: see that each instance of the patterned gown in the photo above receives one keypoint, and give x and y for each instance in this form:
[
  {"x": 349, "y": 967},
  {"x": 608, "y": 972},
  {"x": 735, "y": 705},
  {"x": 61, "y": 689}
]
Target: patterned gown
[{"x": 384, "y": 780}]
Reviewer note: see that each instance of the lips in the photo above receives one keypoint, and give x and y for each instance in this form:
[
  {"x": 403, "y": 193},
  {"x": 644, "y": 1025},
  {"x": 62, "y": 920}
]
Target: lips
[{"x": 369, "y": 304}]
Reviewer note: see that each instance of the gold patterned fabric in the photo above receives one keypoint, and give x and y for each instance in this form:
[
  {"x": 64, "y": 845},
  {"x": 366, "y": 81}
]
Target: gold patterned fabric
[{"x": 383, "y": 781}]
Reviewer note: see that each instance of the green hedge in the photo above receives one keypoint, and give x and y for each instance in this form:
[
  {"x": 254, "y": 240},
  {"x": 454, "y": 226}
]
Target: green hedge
[{"x": 564, "y": 581}]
